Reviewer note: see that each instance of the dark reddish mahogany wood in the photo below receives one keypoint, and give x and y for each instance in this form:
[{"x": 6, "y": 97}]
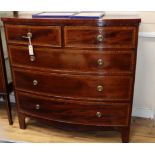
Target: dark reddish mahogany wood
[
  {"x": 83, "y": 61},
  {"x": 4, "y": 86},
  {"x": 45, "y": 35},
  {"x": 67, "y": 72},
  {"x": 113, "y": 37}
]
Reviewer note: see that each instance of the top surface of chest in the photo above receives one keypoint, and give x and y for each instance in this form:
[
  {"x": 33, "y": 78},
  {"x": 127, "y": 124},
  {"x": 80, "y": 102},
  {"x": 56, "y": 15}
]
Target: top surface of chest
[{"x": 106, "y": 20}]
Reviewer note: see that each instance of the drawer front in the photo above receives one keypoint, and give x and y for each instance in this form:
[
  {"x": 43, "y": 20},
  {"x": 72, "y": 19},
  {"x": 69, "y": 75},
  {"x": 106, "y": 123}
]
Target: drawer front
[
  {"x": 74, "y": 86},
  {"x": 41, "y": 35},
  {"x": 74, "y": 60},
  {"x": 103, "y": 37},
  {"x": 68, "y": 111}
]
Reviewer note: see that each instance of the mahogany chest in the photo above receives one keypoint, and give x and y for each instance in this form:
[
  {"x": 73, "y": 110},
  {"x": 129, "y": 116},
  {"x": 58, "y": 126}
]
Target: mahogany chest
[{"x": 82, "y": 71}]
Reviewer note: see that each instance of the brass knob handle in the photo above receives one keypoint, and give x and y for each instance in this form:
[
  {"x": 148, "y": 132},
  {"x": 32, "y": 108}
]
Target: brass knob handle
[
  {"x": 98, "y": 114},
  {"x": 32, "y": 58},
  {"x": 35, "y": 82},
  {"x": 100, "y": 62},
  {"x": 37, "y": 106},
  {"x": 29, "y": 35},
  {"x": 100, "y": 88},
  {"x": 100, "y": 37}
]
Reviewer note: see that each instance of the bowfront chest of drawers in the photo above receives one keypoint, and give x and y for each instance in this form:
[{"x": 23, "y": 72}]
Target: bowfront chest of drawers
[{"x": 82, "y": 71}]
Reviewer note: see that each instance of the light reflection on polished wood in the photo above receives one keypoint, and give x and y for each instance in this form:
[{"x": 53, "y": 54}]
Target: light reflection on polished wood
[{"x": 142, "y": 131}]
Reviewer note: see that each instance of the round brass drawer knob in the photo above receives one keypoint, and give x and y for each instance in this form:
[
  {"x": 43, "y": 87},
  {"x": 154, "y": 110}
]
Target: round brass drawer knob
[
  {"x": 29, "y": 34},
  {"x": 32, "y": 58},
  {"x": 37, "y": 106},
  {"x": 98, "y": 114},
  {"x": 100, "y": 37},
  {"x": 100, "y": 88},
  {"x": 100, "y": 62},
  {"x": 35, "y": 82}
]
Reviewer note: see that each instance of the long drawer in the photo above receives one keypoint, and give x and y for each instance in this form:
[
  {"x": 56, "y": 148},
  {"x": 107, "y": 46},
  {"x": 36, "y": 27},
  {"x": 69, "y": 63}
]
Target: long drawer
[
  {"x": 67, "y": 111},
  {"x": 40, "y": 35},
  {"x": 105, "y": 37},
  {"x": 84, "y": 87},
  {"x": 74, "y": 60}
]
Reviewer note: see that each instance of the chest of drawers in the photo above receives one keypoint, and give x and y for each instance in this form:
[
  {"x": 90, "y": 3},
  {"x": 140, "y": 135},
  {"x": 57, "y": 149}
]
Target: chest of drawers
[{"x": 82, "y": 71}]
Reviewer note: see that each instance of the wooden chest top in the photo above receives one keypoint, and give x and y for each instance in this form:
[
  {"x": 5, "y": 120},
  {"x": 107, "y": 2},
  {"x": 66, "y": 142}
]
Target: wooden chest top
[{"x": 106, "y": 20}]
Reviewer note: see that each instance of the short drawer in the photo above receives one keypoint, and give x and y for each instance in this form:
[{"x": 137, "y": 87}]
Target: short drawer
[
  {"x": 41, "y": 35},
  {"x": 103, "y": 37},
  {"x": 74, "y": 86},
  {"x": 72, "y": 112},
  {"x": 83, "y": 61}
]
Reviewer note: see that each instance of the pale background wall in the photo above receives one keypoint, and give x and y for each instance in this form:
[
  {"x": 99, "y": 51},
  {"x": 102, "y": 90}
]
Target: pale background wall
[{"x": 144, "y": 93}]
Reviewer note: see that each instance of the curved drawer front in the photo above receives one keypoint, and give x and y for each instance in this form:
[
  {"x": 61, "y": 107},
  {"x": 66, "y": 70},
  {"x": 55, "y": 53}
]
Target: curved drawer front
[
  {"x": 74, "y": 60},
  {"x": 41, "y": 35},
  {"x": 74, "y": 86},
  {"x": 94, "y": 37},
  {"x": 67, "y": 111}
]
